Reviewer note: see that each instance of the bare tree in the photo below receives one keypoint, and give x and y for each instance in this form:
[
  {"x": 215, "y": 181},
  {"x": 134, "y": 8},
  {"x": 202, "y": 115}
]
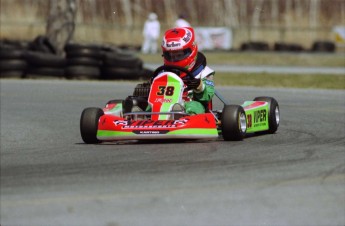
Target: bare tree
[
  {"x": 287, "y": 13},
  {"x": 314, "y": 12},
  {"x": 191, "y": 10},
  {"x": 170, "y": 7},
  {"x": 60, "y": 23},
  {"x": 243, "y": 13},
  {"x": 275, "y": 12},
  {"x": 126, "y": 7},
  {"x": 231, "y": 16}
]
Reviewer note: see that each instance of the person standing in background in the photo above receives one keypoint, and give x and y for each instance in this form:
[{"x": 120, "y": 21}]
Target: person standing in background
[
  {"x": 181, "y": 21},
  {"x": 151, "y": 33}
]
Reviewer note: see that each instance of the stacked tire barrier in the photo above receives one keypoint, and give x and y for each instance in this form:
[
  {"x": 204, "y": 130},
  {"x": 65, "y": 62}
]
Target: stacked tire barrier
[
  {"x": 254, "y": 46},
  {"x": 83, "y": 61},
  {"x": 38, "y": 59},
  {"x": 323, "y": 46},
  {"x": 317, "y": 46},
  {"x": 287, "y": 47},
  {"x": 42, "y": 60},
  {"x": 12, "y": 59},
  {"x": 117, "y": 65},
  {"x": 44, "y": 65}
]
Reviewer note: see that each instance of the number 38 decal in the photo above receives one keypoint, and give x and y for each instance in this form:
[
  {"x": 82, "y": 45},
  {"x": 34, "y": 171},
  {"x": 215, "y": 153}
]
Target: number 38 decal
[{"x": 165, "y": 90}]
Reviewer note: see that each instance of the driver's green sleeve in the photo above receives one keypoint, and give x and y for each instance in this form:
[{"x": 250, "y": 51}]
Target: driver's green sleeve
[{"x": 207, "y": 94}]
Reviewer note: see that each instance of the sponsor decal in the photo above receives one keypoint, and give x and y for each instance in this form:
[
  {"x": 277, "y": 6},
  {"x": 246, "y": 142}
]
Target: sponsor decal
[
  {"x": 181, "y": 122},
  {"x": 148, "y": 124},
  {"x": 257, "y": 119},
  {"x": 150, "y": 132},
  {"x": 187, "y": 37},
  {"x": 173, "y": 44},
  {"x": 120, "y": 122},
  {"x": 260, "y": 116},
  {"x": 162, "y": 100}
]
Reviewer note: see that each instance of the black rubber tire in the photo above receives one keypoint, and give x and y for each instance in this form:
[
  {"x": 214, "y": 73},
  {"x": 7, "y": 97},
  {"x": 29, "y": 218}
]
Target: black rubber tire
[
  {"x": 70, "y": 47},
  {"x": 89, "y": 124},
  {"x": 40, "y": 59},
  {"x": 42, "y": 44},
  {"x": 255, "y": 46},
  {"x": 323, "y": 46},
  {"x": 32, "y": 72},
  {"x": 85, "y": 52},
  {"x": 85, "y": 61},
  {"x": 82, "y": 72},
  {"x": 145, "y": 74},
  {"x": 279, "y": 46},
  {"x": 8, "y": 54},
  {"x": 14, "y": 44},
  {"x": 122, "y": 60},
  {"x": 111, "y": 73},
  {"x": 12, "y": 74},
  {"x": 287, "y": 47},
  {"x": 13, "y": 65},
  {"x": 295, "y": 47},
  {"x": 230, "y": 119},
  {"x": 273, "y": 121}
]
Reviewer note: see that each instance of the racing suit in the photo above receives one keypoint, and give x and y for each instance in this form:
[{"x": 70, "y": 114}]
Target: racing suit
[{"x": 199, "y": 97}]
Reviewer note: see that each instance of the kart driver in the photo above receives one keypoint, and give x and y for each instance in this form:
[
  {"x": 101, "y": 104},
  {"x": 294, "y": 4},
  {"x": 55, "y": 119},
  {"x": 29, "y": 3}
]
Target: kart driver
[{"x": 180, "y": 49}]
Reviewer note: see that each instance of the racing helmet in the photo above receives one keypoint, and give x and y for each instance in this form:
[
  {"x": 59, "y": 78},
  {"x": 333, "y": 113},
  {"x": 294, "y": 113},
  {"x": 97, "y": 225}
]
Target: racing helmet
[{"x": 179, "y": 47}]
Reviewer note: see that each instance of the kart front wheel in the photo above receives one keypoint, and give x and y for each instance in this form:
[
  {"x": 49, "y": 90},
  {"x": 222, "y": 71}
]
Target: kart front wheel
[
  {"x": 234, "y": 123},
  {"x": 89, "y": 124},
  {"x": 273, "y": 113}
]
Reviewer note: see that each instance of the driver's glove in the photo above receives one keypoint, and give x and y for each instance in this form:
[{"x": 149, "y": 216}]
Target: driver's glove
[{"x": 193, "y": 83}]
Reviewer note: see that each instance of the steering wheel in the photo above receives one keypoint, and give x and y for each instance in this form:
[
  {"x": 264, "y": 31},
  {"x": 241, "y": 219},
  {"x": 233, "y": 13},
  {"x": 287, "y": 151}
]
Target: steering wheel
[{"x": 172, "y": 69}]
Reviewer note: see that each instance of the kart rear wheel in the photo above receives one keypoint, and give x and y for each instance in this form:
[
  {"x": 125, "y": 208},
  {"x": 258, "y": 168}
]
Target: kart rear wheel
[
  {"x": 89, "y": 124},
  {"x": 273, "y": 113},
  {"x": 234, "y": 123}
]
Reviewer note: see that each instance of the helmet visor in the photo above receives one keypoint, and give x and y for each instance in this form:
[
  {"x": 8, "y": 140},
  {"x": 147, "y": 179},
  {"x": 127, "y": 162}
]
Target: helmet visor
[{"x": 178, "y": 55}]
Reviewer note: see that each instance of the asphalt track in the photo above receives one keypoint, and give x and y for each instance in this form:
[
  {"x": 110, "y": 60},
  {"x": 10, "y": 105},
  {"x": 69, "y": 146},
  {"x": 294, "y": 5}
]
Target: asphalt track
[{"x": 49, "y": 177}]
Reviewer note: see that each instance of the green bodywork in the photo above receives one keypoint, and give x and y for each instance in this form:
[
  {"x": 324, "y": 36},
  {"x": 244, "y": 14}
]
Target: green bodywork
[
  {"x": 257, "y": 117},
  {"x": 187, "y": 132},
  {"x": 116, "y": 110}
]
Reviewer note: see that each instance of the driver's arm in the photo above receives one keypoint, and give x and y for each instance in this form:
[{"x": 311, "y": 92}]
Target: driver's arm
[{"x": 205, "y": 91}]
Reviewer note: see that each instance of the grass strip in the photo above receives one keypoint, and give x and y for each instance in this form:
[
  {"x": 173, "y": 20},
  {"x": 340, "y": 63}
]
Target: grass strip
[{"x": 311, "y": 81}]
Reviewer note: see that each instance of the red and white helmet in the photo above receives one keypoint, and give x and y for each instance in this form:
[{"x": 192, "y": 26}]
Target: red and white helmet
[{"x": 179, "y": 47}]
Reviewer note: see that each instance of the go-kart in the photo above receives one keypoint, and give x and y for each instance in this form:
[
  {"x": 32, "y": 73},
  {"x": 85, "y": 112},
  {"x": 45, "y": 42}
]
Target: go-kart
[{"x": 129, "y": 119}]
